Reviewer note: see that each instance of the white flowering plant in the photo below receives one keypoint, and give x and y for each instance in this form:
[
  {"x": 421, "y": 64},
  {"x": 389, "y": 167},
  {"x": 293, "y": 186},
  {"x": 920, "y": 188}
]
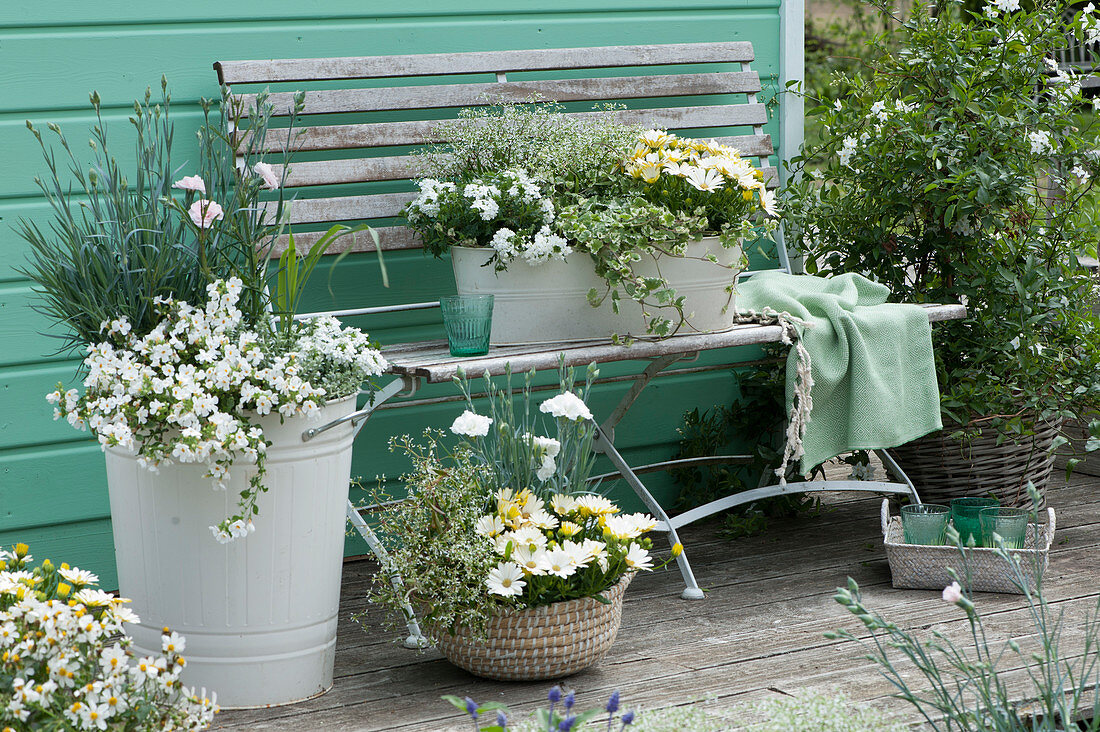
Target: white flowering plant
[
  {"x": 550, "y": 450},
  {"x": 508, "y": 212},
  {"x": 193, "y": 389},
  {"x": 947, "y": 177},
  {"x": 464, "y": 552},
  {"x": 564, "y": 548},
  {"x": 65, "y": 659}
]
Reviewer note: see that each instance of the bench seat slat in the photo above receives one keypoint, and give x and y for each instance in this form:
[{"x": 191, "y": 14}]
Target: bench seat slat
[
  {"x": 400, "y": 167},
  {"x": 330, "y": 101},
  {"x": 383, "y": 134},
  {"x": 437, "y": 64},
  {"x": 435, "y": 365}
]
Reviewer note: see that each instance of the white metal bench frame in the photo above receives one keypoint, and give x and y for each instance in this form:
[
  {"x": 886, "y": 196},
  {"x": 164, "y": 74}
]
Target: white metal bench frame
[{"x": 419, "y": 363}]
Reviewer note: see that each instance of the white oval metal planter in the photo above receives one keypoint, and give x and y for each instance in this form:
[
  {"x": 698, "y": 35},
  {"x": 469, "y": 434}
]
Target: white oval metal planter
[
  {"x": 548, "y": 303},
  {"x": 259, "y": 614}
]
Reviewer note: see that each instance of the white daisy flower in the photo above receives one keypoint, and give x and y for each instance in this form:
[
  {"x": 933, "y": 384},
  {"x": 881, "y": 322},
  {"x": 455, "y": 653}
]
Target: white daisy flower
[{"x": 506, "y": 580}]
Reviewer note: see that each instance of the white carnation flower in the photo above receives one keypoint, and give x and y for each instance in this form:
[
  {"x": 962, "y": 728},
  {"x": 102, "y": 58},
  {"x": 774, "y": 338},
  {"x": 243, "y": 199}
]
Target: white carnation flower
[
  {"x": 469, "y": 424},
  {"x": 566, "y": 405}
]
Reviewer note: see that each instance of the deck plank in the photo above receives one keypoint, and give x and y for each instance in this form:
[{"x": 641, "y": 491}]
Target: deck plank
[{"x": 760, "y": 632}]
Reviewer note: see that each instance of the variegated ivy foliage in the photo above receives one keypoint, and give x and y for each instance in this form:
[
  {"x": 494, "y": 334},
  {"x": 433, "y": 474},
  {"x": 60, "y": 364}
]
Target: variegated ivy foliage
[
  {"x": 192, "y": 389},
  {"x": 65, "y": 659}
]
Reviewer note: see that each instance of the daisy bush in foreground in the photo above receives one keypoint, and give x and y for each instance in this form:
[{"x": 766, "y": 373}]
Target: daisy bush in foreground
[
  {"x": 504, "y": 519},
  {"x": 65, "y": 663},
  {"x": 191, "y": 390}
]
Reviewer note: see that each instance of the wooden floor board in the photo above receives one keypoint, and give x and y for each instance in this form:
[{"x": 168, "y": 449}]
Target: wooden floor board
[{"x": 759, "y": 633}]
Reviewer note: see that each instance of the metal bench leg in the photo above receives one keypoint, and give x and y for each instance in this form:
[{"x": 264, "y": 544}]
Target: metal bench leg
[
  {"x": 416, "y": 639},
  {"x": 603, "y": 444}
]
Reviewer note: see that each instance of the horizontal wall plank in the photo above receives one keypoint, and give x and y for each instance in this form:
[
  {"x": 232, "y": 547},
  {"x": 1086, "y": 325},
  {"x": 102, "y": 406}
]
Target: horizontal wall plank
[
  {"x": 65, "y": 13},
  {"x": 26, "y": 419},
  {"x": 479, "y": 62},
  {"x": 85, "y": 544},
  {"x": 184, "y": 53},
  {"x": 70, "y": 479}
]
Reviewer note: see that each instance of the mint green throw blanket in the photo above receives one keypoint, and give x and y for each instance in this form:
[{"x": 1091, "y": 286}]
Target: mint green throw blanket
[{"x": 874, "y": 379}]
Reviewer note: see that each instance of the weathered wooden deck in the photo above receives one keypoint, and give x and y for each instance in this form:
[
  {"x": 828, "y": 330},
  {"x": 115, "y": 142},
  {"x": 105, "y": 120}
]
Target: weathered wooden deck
[{"x": 758, "y": 633}]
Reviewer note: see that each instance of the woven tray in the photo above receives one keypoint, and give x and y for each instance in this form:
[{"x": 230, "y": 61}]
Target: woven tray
[
  {"x": 546, "y": 642},
  {"x": 925, "y": 567}
]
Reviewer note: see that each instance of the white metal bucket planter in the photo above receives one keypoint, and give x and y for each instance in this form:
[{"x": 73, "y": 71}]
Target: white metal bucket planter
[
  {"x": 259, "y": 614},
  {"x": 548, "y": 303}
]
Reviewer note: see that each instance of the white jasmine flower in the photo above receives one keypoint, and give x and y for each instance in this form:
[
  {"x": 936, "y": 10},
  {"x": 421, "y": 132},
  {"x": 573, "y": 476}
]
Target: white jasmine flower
[
  {"x": 878, "y": 110},
  {"x": 1081, "y": 174},
  {"x": 847, "y": 150},
  {"x": 469, "y": 424},
  {"x": 1040, "y": 142}
]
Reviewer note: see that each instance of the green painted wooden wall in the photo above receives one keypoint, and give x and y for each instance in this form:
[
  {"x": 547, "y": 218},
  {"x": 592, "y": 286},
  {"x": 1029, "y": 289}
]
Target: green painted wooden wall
[{"x": 52, "y": 482}]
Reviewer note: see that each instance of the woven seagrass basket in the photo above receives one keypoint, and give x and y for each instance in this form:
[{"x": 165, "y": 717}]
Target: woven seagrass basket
[
  {"x": 942, "y": 468},
  {"x": 541, "y": 643},
  {"x": 925, "y": 567}
]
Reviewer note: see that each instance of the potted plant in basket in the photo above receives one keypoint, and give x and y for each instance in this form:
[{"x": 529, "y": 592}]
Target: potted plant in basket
[
  {"x": 198, "y": 382},
  {"x": 948, "y": 178},
  {"x": 521, "y": 194},
  {"x": 517, "y": 568}
]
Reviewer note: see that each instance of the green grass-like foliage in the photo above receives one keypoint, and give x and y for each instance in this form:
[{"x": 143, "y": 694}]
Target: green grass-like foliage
[{"x": 115, "y": 241}]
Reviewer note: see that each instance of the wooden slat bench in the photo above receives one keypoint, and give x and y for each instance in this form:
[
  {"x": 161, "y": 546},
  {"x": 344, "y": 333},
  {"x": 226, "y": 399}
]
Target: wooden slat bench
[{"x": 655, "y": 79}]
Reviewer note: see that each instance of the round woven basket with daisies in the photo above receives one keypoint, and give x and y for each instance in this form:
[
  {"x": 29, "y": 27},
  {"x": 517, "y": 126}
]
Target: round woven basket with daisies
[{"x": 540, "y": 643}]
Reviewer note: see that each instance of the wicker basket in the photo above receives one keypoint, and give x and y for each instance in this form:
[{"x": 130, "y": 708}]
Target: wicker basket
[
  {"x": 925, "y": 567},
  {"x": 942, "y": 468},
  {"x": 540, "y": 643}
]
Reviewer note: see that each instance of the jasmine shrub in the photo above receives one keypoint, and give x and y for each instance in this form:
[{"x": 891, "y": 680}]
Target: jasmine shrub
[{"x": 65, "y": 663}]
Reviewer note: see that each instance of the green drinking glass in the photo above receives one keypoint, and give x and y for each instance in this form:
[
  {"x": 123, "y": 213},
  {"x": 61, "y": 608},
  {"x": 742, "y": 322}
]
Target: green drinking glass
[
  {"x": 1008, "y": 523},
  {"x": 964, "y": 514},
  {"x": 468, "y": 320},
  {"x": 924, "y": 523}
]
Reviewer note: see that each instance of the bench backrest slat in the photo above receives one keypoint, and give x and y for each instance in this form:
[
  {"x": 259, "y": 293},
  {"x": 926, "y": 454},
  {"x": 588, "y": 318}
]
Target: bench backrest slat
[
  {"x": 366, "y": 147},
  {"x": 479, "y": 62},
  {"x": 438, "y": 96}
]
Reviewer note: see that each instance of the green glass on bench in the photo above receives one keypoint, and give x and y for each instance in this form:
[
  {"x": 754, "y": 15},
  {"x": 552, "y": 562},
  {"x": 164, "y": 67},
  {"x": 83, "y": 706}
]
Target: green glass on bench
[
  {"x": 964, "y": 514},
  {"x": 924, "y": 523},
  {"x": 468, "y": 320}
]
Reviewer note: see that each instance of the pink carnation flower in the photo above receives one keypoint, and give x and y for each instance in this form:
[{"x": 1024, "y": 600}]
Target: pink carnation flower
[
  {"x": 205, "y": 212},
  {"x": 265, "y": 171},
  {"x": 952, "y": 593},
  {"x": 191, "y": 183}
]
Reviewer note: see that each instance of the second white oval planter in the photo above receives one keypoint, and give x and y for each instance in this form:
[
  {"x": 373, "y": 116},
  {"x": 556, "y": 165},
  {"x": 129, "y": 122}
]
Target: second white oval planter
[
  {"x": 548, "y": 303},
  {"x": 259, "y": 614}
]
